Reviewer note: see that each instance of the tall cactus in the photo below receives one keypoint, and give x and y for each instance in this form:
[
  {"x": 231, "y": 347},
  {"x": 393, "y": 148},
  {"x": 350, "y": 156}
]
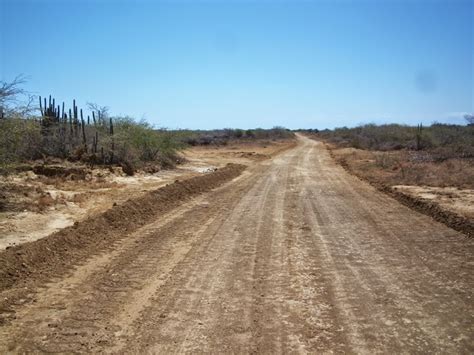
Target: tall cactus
[
  {"x": 113, "y": 143},
  {"x": 71, "y": 126},
  {"x": 41, "y": 106},
  {"x": 84, "y": 141},
  {"x": 419, "y": 132}
]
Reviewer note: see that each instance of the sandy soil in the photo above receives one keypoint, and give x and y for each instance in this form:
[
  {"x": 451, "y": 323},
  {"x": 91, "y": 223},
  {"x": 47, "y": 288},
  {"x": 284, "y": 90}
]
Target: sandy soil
[
  {"x": 295, "y": 255},
  {"x": 460, "y": 201},
  {"x": 447, "y": 185},
  {"x": 65, "y": 202}
]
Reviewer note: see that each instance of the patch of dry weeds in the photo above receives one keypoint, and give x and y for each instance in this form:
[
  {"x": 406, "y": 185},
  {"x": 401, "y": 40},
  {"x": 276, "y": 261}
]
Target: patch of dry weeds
[{"x": 443, "y": 189}]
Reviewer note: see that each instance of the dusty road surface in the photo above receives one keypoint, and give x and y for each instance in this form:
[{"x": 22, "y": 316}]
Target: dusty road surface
[{"x": 295, "y": 255}]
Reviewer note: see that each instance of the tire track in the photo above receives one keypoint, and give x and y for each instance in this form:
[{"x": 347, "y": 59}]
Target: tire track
[{"x": 295, "y": 256}]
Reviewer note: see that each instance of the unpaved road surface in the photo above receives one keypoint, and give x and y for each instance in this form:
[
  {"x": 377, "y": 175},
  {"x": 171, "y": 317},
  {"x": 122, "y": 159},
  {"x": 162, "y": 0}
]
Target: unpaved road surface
[
  {"x": 35, "y": 205},
  {"x": 295, "y": 255}
]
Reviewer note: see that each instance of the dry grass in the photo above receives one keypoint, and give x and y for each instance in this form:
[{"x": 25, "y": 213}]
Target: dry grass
[
  {"x": 443, "y": 190},
  {"x": 406, "y": 168},
  {"x": 439, "y": 155}
]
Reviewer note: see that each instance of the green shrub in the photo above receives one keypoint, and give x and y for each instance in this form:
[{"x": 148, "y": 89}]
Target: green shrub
[
  {"x": 20, "y": 139},
  {"x": 138, "y": 142},
  {"x": 444, "y": 141},
  {"x": 132, "y": 145}
]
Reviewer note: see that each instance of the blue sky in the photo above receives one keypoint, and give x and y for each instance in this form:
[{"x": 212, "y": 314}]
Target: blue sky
[{"x": 214, "y": 64}]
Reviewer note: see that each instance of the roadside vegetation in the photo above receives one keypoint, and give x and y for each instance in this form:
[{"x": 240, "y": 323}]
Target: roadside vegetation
[
  {"x": 96, "y": 139},
  {"x": 229, "y": 135},
  {"x": 441, "y": 140},
  {"x": 41, "y": 130},
  {"x": 438, "y": 155}
]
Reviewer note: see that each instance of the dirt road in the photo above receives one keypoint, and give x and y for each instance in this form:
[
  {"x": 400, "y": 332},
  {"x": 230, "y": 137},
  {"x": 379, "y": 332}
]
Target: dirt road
[{"x": 295, "y": 255}]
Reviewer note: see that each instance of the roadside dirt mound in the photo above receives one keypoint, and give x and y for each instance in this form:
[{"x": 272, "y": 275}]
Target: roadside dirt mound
[
  {"x": 52, "y": 256},
  {"x": 451, "y": 219},
  {"x": 77, "y": 173}
]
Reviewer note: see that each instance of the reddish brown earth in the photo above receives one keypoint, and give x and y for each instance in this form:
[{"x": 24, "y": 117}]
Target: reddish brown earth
[
  {"x": 33, "y": 205},
  {"x": 293, "y": 255}
]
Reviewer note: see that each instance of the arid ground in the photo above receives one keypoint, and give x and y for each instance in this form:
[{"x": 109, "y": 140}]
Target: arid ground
[
  {"x": 293, "y": 255},
  {"x": 38, "y": 205}
]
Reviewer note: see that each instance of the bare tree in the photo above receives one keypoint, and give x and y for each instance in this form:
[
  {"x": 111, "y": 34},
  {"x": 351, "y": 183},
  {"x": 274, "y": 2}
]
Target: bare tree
[
  {"x": 102, "y": 112},
  {"x": 14, "y": 100},
  {"x": 469, "y": 117}
]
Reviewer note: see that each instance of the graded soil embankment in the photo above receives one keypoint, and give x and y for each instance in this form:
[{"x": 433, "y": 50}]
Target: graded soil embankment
[
  {"x": 35, "y": 205},
  {"x": 451, "y": 219},
  {"x": 50, "y": 256}
]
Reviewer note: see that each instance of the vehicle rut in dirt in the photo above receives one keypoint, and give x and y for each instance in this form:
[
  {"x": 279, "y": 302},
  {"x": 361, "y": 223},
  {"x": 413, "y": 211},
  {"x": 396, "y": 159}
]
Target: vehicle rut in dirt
[{"x": 294, "y": 255}]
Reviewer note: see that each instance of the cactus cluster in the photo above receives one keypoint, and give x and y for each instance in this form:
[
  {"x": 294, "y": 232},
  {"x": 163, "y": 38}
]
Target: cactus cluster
[
  {"x": 49, "y": 112},
  {"x": 75, "y": 132}
]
